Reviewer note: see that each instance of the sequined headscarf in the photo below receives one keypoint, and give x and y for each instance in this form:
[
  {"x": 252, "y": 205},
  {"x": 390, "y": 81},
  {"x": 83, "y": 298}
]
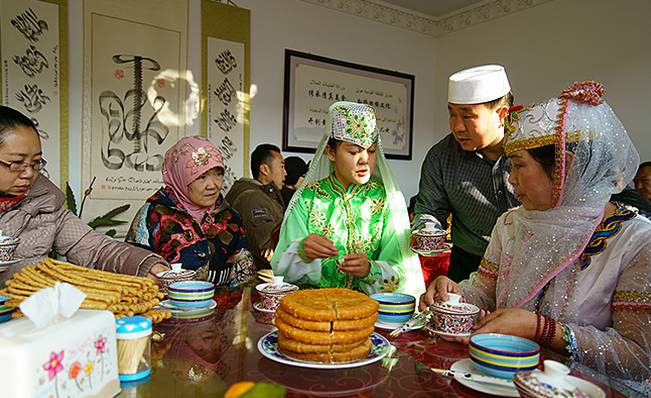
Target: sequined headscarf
[
  {"x": 594, "y": 158},
  {"x": 356, "y": 123},
  {"x": 184, "y": 162}
]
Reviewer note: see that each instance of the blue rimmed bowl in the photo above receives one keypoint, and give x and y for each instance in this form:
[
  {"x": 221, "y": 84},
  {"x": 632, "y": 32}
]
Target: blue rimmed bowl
[
  {"x": 5, "y": 310},
  {"x": 191, "y": 294},
  {"x": 502, "y": 355},
  {"x": 395, "y": 307}
]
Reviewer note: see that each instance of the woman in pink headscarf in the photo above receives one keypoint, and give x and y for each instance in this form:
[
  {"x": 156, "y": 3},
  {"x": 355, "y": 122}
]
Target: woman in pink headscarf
[{"x": 188, "y": 221}]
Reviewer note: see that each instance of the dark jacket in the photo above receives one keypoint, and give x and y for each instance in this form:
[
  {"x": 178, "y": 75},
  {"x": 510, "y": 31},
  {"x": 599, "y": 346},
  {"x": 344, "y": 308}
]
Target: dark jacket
[
  {"x": 262, "y": 209},
  {"x": 217, "y": 247}
]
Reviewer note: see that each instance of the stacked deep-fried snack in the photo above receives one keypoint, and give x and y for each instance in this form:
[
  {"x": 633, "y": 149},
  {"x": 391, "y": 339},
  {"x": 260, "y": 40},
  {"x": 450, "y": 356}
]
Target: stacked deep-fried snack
[
  {"x": 124, "y": 295},
  {"x": 326, "y": 325}
]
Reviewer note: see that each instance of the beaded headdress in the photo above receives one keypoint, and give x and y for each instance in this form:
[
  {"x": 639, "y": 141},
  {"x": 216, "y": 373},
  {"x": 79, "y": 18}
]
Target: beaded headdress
[
  {"x": 558, "y": 121},
  {"x": 354, "y": 123},
  {"x": 594, "y": 158}
]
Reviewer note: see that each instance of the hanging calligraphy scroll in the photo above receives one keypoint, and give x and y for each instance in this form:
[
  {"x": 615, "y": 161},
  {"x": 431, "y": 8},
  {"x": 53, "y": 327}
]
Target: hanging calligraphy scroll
[
  {"x": 135, "y": 84},
  {"x": 33, "y": 50},
  {"x": 225, "y": 57}
]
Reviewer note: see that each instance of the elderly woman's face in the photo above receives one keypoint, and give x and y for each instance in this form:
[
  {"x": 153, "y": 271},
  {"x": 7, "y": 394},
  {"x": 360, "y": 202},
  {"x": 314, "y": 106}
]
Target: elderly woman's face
[
  {"x": 204, "y": 191},
  {"x": 531, "y": 184},
  {"x": 22, "y": 146}
]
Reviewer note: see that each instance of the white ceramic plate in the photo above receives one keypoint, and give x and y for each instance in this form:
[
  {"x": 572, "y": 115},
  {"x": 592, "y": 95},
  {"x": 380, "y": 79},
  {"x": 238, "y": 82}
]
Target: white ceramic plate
[
  {"x": 258, "y": 306},
  {"x": 585, "y": 386},
  {"x": 167, "y": 304},
  {"x": 387, "y": 326},
  {"x": 432, "y": 253},
  {"x": 268, "y": 347},
  {"x": 450, "y": 334},
  {"x": 10, "y": 262},
  {"x": 465, "y": 365}
]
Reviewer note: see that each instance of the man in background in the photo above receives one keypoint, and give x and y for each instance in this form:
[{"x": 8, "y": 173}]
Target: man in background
[
  {"x": 296, "y": 169},
  {"x": 260, "y": 204}
]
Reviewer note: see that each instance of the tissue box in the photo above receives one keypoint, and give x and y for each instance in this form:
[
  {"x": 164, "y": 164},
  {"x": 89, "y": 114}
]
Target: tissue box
[{"x": 76, "y": 357}]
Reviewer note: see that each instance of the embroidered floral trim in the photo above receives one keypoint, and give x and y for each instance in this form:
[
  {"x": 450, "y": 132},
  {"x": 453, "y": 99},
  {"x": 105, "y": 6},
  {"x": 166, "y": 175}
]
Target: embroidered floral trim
[
  {"x": 390, "y": 285},
  {"x": 488, "y": 268},
  {"x": 627, "y": 298},
  {"x": 537, "y": 142},
  {"x": 572, "y": 346},
  {"x": 606, "y": 230}
]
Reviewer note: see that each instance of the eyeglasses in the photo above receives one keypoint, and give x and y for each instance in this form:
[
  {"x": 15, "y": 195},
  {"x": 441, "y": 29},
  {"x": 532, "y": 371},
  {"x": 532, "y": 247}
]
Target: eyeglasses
[{"x": 19, "y": 167}]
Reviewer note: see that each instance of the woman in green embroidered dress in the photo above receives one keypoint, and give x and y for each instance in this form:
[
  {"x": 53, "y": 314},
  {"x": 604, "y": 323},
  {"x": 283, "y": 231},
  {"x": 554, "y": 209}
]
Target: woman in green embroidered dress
[{"x": 347, "y": 225}]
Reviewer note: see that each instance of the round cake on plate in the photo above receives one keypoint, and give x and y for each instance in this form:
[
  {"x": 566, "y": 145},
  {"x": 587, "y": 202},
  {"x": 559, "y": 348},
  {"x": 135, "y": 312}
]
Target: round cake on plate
[{"x": 326, "y": 325}]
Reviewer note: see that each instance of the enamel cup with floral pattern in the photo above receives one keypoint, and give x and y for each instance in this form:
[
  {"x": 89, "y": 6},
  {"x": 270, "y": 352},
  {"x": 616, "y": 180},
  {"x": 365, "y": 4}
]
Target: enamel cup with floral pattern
[{"x": 452, "y": 317}]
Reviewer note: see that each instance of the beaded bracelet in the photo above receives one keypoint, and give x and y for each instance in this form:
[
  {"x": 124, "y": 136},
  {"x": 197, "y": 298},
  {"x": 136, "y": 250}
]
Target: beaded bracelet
[
  {"x": 551, "y": 330},
  {"x": 537, "y": 335}
]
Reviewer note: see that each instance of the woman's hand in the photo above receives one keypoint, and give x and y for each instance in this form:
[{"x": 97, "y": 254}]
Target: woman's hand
[
  {"x": 438, "y": 289},
  {"x": 156, "y": 269},
  {"x": 513, "y": 321},
  {"x": 356, "y": 264},
  {"x": 316, "y": 246}
]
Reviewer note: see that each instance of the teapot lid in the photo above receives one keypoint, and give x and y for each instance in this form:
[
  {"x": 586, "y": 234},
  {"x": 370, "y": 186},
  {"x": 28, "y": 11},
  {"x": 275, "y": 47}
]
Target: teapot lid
[
  {"x": 271, "y": 288},
  {"x": 454, "y": 306},
  {"x": 551, "y": 383},
  {"x": 429, "y": 232}
]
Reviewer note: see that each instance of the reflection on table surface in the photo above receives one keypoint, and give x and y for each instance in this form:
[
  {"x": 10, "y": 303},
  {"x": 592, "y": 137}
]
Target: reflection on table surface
[{"x": 202, "y": 357}]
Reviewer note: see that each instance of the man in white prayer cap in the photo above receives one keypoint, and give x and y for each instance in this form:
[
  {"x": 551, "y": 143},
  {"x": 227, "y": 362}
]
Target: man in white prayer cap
[{"x": 465, "y": 174}]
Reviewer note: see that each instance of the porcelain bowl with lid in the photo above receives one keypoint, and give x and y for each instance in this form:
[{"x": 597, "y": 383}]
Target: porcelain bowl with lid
[
  {"x": 271, "y": 293},
  {"x": 554, "y": 382},
  {"x": 429, "y": 242},
  {"x": 176, "y": 274},
  {"x": 453, "y": 317}
]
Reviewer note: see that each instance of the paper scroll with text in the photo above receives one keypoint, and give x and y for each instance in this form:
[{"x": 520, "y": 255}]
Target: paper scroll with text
[
  {"x": 135, "y": 84},
  {"x": 225, "y": 89},
  {"x": 33, "y": 49}
]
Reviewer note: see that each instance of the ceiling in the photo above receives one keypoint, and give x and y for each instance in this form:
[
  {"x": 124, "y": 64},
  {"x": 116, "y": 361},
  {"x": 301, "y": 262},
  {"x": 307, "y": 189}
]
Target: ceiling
[{"x": 435, "y": 9}]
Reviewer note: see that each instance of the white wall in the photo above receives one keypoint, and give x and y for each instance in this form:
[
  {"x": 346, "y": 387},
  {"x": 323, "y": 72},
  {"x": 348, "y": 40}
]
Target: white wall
[
  {"x": 280, "y": 24},
  {"x": 546, "y": 48}
]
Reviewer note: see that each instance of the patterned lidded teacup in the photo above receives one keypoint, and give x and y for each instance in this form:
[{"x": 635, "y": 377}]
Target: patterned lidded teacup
[
  {"x": 7, "y": 247},
  {"x": 425, "y": 241},
  {"x": 452, "y": 317},
  {"x": 176, "y": 274},
  {"x": 271, "y": 293}
]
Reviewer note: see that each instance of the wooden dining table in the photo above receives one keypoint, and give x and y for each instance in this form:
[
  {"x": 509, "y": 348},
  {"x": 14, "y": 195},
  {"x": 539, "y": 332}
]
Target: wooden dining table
[{"x": 202, "y": 357}]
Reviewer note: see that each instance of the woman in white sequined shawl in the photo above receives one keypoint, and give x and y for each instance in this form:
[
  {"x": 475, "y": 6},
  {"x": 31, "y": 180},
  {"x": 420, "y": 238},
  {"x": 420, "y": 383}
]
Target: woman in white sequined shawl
[{"x": 568, "y": 268}]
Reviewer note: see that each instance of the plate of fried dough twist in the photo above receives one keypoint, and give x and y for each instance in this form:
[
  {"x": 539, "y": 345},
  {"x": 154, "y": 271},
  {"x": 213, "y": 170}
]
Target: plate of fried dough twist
[{"x": 124, "y": 295}]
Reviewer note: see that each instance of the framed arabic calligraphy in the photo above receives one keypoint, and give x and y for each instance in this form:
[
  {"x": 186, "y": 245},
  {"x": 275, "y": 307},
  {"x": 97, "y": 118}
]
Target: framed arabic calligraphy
[
  {"x": 34, "y": 73},
  {"x": 136, "y": 101},
  {"x": 313, "y": 83}
]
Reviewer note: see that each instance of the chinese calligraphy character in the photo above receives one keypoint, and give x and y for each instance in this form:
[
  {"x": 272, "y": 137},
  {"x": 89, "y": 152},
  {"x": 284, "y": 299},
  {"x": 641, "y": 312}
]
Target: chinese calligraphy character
[
  {"x": 226, "y": 61},
  {"x": 226, "y": 120},
  {"x": 225, "y": 92},
  {"x": 30, "y": 25},
  {"x": 227, "y": 147},
  {"x": 33, "y": 62},
  {"x": 41, "y": 133},
  {"x": 32, "y": 98}
]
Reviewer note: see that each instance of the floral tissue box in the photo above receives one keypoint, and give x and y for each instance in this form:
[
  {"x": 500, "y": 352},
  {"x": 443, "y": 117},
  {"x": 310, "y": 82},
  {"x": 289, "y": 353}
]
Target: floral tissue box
[{"x": 76, "y": 357}]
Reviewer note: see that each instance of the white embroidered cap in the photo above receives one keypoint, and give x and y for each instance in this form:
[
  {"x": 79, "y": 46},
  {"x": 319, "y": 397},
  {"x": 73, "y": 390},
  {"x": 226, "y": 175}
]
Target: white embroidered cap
[{"x": 478, "y": 85}]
